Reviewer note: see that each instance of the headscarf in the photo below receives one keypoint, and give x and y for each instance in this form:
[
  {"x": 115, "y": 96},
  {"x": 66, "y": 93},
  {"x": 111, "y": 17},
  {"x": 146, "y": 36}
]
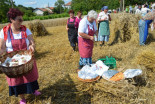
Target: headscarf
[
  {"x": 102, "y": 8},
  {"x": 105, "y": 7}
]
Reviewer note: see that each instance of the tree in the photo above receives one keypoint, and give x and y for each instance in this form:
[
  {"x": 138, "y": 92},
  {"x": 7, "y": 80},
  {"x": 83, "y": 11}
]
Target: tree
[
  {"x": 6, "y": 4},
  {"x": 4, "y": 8},
  {"x": 45, "y": 13},
  {"x": 28, "y": 11},
  {"x": 59, "y": 6},
  {"x": 86, "y": 5}
]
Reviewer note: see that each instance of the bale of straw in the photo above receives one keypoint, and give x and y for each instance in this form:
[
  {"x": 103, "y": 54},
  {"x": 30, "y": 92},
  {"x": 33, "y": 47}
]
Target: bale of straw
[
  {"x": 121, "y": 89},
  {"x": 37, "y": 28},
  {"x": 123, "y": 28},
  {"x": 147, "y": 59}
]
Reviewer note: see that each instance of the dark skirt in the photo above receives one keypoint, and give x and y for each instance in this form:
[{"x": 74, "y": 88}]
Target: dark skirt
[
  {"x": 27, "y": 88},
  {"x": 72, "y": 36}
]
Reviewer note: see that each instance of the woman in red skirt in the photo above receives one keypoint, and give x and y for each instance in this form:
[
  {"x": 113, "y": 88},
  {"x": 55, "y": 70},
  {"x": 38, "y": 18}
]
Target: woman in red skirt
[{"x": 15, "y": 37}]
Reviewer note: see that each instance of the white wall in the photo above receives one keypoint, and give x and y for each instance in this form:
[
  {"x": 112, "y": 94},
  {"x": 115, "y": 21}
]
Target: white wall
[
  {"x": 38, "y": 12},
  {"x": 49, "y": 9},
  {"x": 68, "y": 7}
]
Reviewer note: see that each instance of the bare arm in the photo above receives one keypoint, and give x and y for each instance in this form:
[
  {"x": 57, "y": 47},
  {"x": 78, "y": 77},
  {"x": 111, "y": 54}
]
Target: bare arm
[
  {"x": 67, "y": 28},
  {"x": 109, "y": 17},
  {"x": 96, "y": 33},
  {"x": 102, "y": 20},
  {"x": 148, "y": 16},
  {"x": 83, "y": 35},
  {"x": 32, "y": 44},
  {"x": 2, "y": 46}
]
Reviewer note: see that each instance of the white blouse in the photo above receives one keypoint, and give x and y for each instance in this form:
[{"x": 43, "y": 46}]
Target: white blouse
[
  {"x": 16, "y": 36},
  {"x": 83, "y": 26},
  {"x": 103, "y": 15}
]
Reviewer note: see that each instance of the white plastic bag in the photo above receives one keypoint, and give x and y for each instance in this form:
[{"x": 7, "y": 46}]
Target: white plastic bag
[
  {"x": 130, "y": 73},
  {"x": 101, "y": 68},
  {"x": 87, "y": 72}
]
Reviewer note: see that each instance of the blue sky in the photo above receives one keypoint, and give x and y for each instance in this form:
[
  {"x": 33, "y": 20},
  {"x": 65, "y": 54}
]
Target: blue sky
[{"x": 37, "y": 3}]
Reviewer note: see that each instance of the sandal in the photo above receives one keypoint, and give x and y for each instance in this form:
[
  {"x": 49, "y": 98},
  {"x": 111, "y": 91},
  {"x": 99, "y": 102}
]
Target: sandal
[
  {"x": 37, "y": 93},
  {"x": 23, "y": 101}
]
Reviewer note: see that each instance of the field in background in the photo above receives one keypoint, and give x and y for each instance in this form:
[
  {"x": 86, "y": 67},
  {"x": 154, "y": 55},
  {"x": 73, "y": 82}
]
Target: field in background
[{"x": 57, "y": 63}]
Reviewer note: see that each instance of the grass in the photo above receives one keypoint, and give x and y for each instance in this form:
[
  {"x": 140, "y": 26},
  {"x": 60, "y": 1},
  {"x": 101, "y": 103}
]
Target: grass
[{"x": 58, "y": 82}]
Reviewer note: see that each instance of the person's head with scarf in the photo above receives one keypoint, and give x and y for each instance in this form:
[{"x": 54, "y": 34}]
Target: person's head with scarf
[
  {"x": 102, "y": 9},
  {"x": 92, "y": 15},
  {"x": 105, "y": 9}
]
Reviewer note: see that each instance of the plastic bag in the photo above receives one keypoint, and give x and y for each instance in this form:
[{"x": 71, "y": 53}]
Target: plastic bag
[
  {"x": 130, "y": 73},
  {"x": 101, "y": 68},
  {"x": 109, "y": 74},
  {"x": 87, "y": 72}
]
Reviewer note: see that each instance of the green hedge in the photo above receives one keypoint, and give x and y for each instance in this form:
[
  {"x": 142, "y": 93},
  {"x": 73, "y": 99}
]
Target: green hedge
[{"x": 52, "y": 16}]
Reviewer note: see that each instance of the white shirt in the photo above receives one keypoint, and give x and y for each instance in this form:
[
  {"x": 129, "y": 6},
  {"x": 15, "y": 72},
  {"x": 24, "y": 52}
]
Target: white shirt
[
  {"x": 144, "y": 11},
  {"x": 83, "y": 26},
  {"x": 16, "y": 36},
  {"x": 103, "y": 15},
  {"x": 138, "y": 11}
]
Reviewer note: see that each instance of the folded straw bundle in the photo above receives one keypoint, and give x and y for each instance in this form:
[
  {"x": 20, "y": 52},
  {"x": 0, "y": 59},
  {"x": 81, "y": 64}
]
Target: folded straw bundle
[
  {"x": 147, "y": 59},
  {"x": 37, "y": 28}
]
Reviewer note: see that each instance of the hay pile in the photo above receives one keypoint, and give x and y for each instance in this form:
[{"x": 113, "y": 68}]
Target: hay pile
[
  {"x": 70, "y": 89},
  {"x": 147, "y": 59},
  {"x": 37, "y": 28},
  {"x": 124, "y": 27}
]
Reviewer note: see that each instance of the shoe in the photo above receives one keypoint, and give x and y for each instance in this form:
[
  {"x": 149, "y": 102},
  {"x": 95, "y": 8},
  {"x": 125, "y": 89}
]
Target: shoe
[
  {"x": 80, "y": 67},
  {"x": 101, "y": 45},
  {"x": 74, "y": 48},
  {"x": 23, "y": 101},
  {"x": 37, "y": 93}
]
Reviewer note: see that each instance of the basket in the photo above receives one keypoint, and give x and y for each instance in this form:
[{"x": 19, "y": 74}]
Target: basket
[
  {"x": 17, "y": 71},
  {"x": 88, "y": 80},
  {"x": 111, "y": 62}
]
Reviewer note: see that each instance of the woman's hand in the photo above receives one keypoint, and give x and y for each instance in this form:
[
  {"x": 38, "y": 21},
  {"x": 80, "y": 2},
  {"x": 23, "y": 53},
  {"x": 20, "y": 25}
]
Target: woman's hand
[
  {"x": 67, "y": 29},
  {"x": 31, "y": 48},
  {"x": 92, "y": 38}
]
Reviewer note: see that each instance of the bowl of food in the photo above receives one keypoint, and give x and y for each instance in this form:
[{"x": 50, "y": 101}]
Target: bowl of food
[{"x": 16, "y": 64}]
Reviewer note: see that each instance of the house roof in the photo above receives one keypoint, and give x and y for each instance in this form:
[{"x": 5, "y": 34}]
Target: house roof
[
  {"x": 51, "y": 8},
  {"x": 68, "y": 4},
  {"x": 44, "y": 10}
]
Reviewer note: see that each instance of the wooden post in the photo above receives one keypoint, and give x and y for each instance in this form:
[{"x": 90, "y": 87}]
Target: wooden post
[
  {"x": 12, "y": 3},
  {"x": 123, "y": 5}
]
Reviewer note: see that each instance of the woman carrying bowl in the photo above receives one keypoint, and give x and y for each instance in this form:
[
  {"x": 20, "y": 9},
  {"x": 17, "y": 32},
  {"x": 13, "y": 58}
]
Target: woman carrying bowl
[{"x": 16, "y": 37}]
